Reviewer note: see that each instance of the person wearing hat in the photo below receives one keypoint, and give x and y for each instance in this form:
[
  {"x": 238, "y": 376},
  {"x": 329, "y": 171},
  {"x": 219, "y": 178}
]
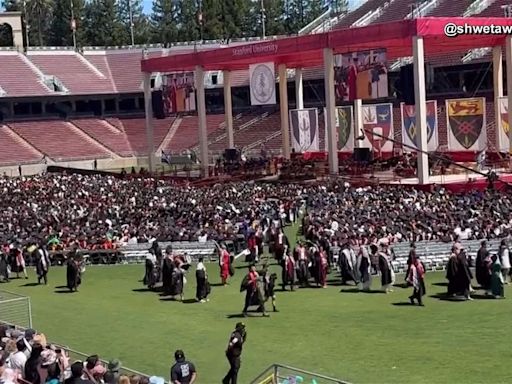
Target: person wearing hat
[
  {"x": 183, "y": 371},
  {"x": 225, "y": 264},
  {"x": 386, "y": 268},
  {"x": 114, "y": 367},
  {"x": 234, "y": 352}
]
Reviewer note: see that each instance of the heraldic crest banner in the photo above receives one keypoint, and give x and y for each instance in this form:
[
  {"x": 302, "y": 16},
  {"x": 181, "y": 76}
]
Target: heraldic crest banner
[
  {"x": 466, "y": 124},
  {"x": 263, "y": 84},
  {"x": 503, "y": 141},
  {"x": 378, "y": 126},
  {"x": 304, "y": 130},
  {"x": 344, "y": 129},
  {"x": 410, "y": 128}
]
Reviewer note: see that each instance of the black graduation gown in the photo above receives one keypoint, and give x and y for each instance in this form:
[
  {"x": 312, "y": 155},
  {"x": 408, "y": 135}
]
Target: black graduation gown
[
  {"x": 202, "y": 284},
  {"x": 41, "y": 270},
  {"x": 167, "y": 268},
  {"x": 364, "y": 268},
  {"x": 483, "y": 275},
  {"x": 385, "y": 272},
  {"x": 72, "y": 275},
  {"x": 451, "y": 274},
  {"x": 347, "y": 273},
  {"x": 3, "y": 267},
  {"x": 150, "y": 275},
  {"x": 177, "y": 282}
]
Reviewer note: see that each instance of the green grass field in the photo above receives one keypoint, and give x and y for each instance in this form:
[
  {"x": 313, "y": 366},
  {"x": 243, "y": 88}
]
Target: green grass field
[{"x": 359, "y": 337}]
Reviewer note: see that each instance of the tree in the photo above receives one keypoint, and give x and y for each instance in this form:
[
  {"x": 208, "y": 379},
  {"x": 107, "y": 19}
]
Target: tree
[
  {"x": 164, "y": 21},
  {"x": 300, "y": 13},
  {"x": 189, "y": 27},
  {"x": 274, "y": 17},
  {"x": 313, "y": 9},
  {"x": 38, "y": 11},
  {"x": 102, "y": 26},
  {"x": 61, "y": 32},
  {"x": 213, "y": 19},
  {"x": 138, "y": 18}
]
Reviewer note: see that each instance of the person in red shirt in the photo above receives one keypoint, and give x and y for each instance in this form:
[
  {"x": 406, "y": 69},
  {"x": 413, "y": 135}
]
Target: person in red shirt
[
  {"x": 253, "y": 248},
  {"x": 225, "y": 261}
]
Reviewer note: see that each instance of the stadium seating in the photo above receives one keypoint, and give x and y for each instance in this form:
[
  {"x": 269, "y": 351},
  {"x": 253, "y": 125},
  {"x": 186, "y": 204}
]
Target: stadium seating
[
  {"x": 135, "y": 130},
  {"x": 59, "y": 140},
  {"x": 14, "y": 68},
  {"x": 352, "y": 17},
  {"x": 109, "y": 135},
  {"x": 447, "y": 8},
  {"x": 75, "y": 73},
  {"x": 14, "y": 150},
  {"x": 397, "y": 10},
  {"x": 186, "y": 136}
]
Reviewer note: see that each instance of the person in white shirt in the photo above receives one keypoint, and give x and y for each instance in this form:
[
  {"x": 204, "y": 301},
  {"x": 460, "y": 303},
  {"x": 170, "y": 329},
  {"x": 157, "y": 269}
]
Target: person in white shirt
[
  {"x": 18, "y": 359},
  {"x": 504, "y": 254}
]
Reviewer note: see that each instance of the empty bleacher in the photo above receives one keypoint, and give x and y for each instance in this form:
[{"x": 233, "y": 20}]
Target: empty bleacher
[
  {"x": 59, "y": 140},
  {"x": 110, "y": 136},
  {"x": 450, "y": 8},
  {"x": 357, "y": 13},
  {"x": 187, "y": 135},
  {"x": 72, "y": 70},
  {"x": 397, "y": 10},
  {"x": 17, "y": 78},
  {"x": 14, "y": 150},
  {"x": 135, "y": 130}
]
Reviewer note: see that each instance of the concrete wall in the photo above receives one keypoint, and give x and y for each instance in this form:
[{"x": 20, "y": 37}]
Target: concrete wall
[{"x": 103, "y": 164}]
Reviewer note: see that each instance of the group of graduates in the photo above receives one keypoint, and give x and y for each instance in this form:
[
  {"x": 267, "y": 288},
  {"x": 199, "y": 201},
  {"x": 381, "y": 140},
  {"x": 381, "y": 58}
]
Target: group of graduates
[
  {"x": 167, "y": 271},
  {"x": 491, "y": 271}
]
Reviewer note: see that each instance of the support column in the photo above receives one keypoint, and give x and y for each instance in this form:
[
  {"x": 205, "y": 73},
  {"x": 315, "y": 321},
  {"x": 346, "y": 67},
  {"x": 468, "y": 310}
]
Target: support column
[
  {"x": 201, "y": 113},
  {"x": 283, "y": 104},
  {"x": 228, "y": 109},
  {"x": 148, "y": 108},
  {"x": 330, "y": 110},
  {"x": 497, "y": 78},
  {"x": 299, "y": 93},
  {"x": 508, "y": 53},
  {"x": 358, "y": 123},
  {"x": 421, "y": 108}
]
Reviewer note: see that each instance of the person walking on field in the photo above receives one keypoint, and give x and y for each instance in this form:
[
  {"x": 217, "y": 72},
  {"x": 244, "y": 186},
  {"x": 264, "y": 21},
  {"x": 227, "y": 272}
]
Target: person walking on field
[
  {"x": 233, "y": 353},
  {"x": 416, "y": 279}
]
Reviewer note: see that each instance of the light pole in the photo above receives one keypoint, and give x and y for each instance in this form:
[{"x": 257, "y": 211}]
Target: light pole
[
  {"x": 26, "y": 24},
  {"x": 262, "y": 10},
  {"x": 131, "y": 21}
]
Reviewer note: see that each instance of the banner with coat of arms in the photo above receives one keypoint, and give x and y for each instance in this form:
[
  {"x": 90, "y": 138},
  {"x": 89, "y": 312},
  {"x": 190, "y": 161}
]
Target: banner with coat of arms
[
  {"x": 262, "y": 83},
  {"x": 378, "y": 127},
  {"x": 503, "y": 139},
  {"x": 466, "y": 124},
  {"x": 409, "y": 127},
  {"x": 344, "y": 129},
  {"x": 304, "y": 130}
]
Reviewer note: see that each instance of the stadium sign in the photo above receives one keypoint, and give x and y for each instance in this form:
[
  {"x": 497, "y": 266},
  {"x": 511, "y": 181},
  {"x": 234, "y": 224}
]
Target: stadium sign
[{"x": 258, "y": 49}]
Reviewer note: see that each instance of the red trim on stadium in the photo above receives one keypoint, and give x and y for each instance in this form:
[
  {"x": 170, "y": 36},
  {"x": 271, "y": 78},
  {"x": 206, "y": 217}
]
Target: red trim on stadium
[{"x": 306, "y": 51}]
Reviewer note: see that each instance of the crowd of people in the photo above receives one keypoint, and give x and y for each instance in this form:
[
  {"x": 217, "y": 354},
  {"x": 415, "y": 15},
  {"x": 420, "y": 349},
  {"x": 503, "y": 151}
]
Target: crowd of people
[
  {"x": 91, "y": 212},
  {"x": 26, "y": 357}
]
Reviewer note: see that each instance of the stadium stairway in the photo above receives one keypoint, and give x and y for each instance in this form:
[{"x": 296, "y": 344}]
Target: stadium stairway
[
  {"x": 13, "y": 69},
  {"x": 105, "y": 134},
  {"x": 76, "y": 74}
]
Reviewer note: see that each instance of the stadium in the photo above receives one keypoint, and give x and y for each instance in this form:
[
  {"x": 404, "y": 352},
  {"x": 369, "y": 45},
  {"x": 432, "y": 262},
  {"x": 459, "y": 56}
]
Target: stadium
[{"x": 365, "y": 151}]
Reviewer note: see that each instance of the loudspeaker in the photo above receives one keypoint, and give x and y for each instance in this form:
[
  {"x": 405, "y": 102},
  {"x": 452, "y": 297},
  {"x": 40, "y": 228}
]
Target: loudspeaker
[
  {"x": 362, "y": 155},
  {"x": 231, "y": 154},
  {"x": 157, "y": 102},
  {"x": 407, "y": 84}
]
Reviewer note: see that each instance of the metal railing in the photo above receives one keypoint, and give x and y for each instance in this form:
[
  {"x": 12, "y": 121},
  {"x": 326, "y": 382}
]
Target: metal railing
[
  {"x": 284, "y": 374},
  {"x": 15, "y": 310}
]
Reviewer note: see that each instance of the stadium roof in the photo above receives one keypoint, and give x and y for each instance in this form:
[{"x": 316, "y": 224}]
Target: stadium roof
[{"x": 306, "y": 51}]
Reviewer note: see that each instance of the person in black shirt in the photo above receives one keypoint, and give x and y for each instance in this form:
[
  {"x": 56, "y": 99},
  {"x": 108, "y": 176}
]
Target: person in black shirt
[
  {"x": 233, "y": 353},
  {"x": 182, "y": 372}
]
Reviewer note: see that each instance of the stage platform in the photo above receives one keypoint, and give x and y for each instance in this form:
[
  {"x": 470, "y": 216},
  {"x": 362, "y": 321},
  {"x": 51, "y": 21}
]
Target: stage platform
[{"x": 457, "y": 183}]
